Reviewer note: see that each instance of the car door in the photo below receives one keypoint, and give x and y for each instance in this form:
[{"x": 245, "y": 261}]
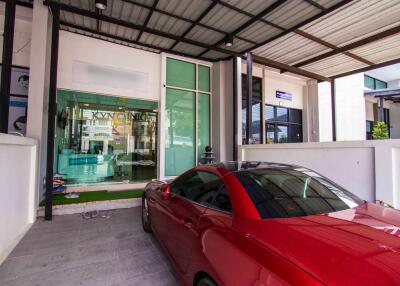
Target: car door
[{"x": 182, "y": 212}]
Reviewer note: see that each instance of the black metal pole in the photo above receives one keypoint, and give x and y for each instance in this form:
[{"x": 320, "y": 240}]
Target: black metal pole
[
  {"x": 249, "y": 116},
  {"x": 333, "y": 105},
  {"x": 8, "y": 42},
  {"x": 52, "y": 111},
  {"x": 235, "y": 98}
]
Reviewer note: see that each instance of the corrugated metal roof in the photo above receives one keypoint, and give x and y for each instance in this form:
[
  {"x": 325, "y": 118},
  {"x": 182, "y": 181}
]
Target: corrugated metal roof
[
  {"x": 225, "y": 19},
  {"x": 380, "y": 51},
  {"x": 171, "y": 26},
  {"x": 334, "y": 65},
  {"x": 299, "y": 49},
  {"x": 356, "y": 21},
  {"x": 292, "y": 13}
]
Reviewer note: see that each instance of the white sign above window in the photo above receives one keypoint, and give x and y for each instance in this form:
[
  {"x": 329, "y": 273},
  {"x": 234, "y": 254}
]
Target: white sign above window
[{"x": 91, "y": 74}]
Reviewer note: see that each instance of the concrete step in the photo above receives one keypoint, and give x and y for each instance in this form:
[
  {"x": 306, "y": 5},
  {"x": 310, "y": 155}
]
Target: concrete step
[{"x": 92, "y": 206}]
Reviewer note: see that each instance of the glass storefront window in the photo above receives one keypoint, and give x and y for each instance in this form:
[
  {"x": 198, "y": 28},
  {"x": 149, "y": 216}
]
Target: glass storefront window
[
  {"x": 180, "y": 131},
  {"x": 105, "y": 139},
  {"x": 203, "y": 122},
  {"x": 188, "y": 103},
  {"x": 283, "y": 125},
  {"x": 181, "y": 74},
  {"x": 204, "y": 78}
]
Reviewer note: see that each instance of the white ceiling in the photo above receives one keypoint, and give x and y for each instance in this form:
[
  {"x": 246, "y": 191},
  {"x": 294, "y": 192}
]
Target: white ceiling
[{"x": 387, "y": 73}]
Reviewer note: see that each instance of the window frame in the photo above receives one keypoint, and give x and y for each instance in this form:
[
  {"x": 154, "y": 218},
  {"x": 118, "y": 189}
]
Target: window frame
[
  {"x": 197, "y": 92},
  {"x": 374, "y": 81},
  {"x": 289, "y": 123},
  {"x": 258, "y": 80}
]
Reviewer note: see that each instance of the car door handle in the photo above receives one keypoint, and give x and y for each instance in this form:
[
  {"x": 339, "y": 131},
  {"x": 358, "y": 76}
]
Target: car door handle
[
  {"x": 152, "y": 200},
  {"x": 188, "y": 224}
]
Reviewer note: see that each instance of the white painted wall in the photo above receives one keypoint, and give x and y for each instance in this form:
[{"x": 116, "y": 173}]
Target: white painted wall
[
  {"x": 369, "y": 110},
  {"x": 395, "y": 121},
  {"x": 102, "y": 60},
  {"x": 350, "y": 108},
  {"x": 39, "y": 74},
  {"x": 369, "y": 169},
  {"x": 22, "y": 35},
  {"x": 275, "y": 81},
  {"x": 18, "y": 189},
  {"x": 310, "y": 112},
  {"x": 324, "y": 112}
]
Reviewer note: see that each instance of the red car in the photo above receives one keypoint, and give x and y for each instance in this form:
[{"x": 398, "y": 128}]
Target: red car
[{"x": 254, "y": 223}]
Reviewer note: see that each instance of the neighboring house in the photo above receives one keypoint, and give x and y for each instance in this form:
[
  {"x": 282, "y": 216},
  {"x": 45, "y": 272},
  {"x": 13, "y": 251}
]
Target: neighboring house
[
  {"x": 383, "y": 86},
  {"x": 357, "y": 104}
]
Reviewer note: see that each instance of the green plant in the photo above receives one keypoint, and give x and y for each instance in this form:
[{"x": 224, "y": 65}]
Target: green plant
[{"x": 380, "y": 131}]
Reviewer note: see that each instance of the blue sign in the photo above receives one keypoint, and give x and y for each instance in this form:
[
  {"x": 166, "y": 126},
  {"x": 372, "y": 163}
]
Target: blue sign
[
  {"x": 82, "y": 161},
  {"x": 284, "y": 95}
]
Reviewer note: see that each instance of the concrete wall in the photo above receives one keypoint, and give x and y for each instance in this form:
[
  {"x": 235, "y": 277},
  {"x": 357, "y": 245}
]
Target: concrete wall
[
  {"x": 324, "y": 112},
  {"x": 97, "y": 66},
  {"x": 369, "y": 169},
  {"x": 350, "y": 108},
  {"x": 275, "y": 81},
  {"x": 39, "y": 74},
  {"x": 17, "y": 193},
  {"x": 394, "y": 114}
]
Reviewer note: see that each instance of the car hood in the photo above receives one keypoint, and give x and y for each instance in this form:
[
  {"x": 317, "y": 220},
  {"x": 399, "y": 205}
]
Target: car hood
[{"x": 358, "y": 246}]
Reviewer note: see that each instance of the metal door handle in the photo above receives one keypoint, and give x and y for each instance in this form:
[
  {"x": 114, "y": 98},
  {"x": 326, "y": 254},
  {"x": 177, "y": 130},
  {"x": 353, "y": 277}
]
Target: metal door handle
[{"x": 152, "y": 200}]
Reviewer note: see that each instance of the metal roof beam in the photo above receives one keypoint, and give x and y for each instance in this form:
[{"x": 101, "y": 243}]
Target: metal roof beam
[
  {"x": 287, "y": 31},
  {"x": 281, "y": 66},
  {"x": 250, "y": 22},
  {"x": 146, "y": 21},
  {"x": 243, "y": 12},
  {"x": 196, "y": 22},
  {"x": 331, "y": 46},
  {"x": 375, "y": 66},
  {"x": 183, "y": 19},
  {"x": 22, "y": 3},
  {"x": 122, "y": 39},
  {"x": 360, "y": 43},
  {"x": 130, "y": 25},
  {"x": 316, "y": 5}
]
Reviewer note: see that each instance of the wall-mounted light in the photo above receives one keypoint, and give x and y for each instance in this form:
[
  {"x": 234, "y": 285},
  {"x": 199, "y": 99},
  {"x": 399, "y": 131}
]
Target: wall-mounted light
[
  {"x": 101, "y": 4},
  {"x": 229, "y": 40}
]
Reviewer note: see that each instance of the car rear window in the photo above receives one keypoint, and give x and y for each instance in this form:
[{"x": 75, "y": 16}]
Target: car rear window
[{"x": 284, "y": 193}]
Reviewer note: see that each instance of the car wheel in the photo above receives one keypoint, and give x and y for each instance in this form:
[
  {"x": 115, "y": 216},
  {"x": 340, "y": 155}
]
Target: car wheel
[
  {"x": 206, "y": 282},
  {"x": 145, "y": 215}
]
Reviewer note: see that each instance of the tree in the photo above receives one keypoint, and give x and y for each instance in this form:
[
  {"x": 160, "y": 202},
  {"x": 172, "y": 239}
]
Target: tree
[{"x": 380, "y": 131}]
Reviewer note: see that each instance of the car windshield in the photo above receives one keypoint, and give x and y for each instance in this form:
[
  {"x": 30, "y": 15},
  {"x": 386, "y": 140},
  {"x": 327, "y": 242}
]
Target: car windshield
[{"x": 284, "y": 193}]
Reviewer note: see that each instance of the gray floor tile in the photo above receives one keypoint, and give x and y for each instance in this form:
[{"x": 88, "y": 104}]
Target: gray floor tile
[{"x": 73, "y": 251}]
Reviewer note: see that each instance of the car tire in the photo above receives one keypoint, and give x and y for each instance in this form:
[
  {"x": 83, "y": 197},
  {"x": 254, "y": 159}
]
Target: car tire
[
  {"x": 145, "y": 215},
  {"x": 206, "y": 281}
]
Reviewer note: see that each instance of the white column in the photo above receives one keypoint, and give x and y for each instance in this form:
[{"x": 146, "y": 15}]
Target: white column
[
  {"x": 310, "y": 112},
  {"x": 223, "y": 109},
  {"x": 324, "y": 112},
  {"x": 387, "y": 168},
  {"x": 39, "y": 84}
]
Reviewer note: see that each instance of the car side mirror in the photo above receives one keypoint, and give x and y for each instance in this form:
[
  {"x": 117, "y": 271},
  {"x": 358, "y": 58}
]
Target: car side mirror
[{"x": 166, "y": 192}]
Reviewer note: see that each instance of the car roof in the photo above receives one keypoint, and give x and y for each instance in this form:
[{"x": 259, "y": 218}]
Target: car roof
[{"x": 237, "y": 166}]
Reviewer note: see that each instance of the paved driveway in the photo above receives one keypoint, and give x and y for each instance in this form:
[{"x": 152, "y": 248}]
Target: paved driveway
[{"x": 71, "y": 250}]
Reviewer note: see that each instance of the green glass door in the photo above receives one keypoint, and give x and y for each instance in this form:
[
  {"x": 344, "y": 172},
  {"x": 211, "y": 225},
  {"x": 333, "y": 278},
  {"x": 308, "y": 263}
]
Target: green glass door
[{"x": 187, "y": 115}]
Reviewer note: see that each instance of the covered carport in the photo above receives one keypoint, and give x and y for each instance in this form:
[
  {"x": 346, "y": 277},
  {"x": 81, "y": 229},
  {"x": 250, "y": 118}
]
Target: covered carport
[
  {"x": 319, "y": 40},
  {"x": 314, "y": 40}
]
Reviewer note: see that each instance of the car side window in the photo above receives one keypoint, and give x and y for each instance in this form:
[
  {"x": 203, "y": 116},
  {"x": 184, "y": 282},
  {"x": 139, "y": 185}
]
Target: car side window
[
  {"x": 204, "y": 188},
  {"x": 222, "y": 201},
  {"x": 198, "y": 186}
]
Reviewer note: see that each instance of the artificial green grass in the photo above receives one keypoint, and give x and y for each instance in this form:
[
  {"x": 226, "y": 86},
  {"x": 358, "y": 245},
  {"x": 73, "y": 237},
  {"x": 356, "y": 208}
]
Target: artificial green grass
[{"x": 59, "y": 199}]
